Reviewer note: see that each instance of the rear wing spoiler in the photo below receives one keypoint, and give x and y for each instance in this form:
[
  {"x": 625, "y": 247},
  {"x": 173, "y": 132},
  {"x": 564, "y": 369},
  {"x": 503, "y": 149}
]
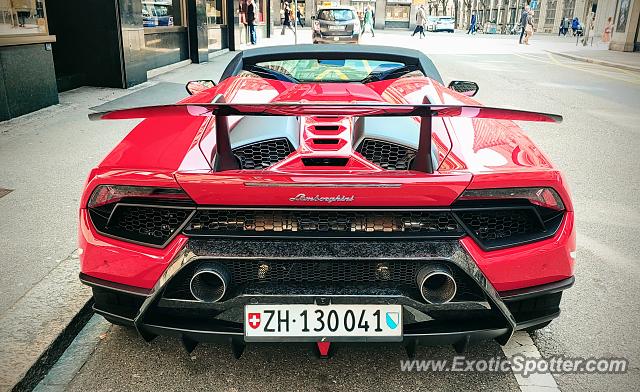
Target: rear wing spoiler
[{"x": 225, "y": 159}]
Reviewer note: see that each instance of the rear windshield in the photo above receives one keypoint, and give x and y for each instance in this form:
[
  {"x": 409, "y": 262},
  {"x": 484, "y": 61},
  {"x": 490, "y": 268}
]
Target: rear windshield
[
  {"x": 314, "y": 70},
  {"x": 336, "y": 15}
]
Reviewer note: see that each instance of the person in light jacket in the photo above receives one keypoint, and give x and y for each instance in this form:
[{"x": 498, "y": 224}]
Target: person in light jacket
[
  {"x": 421, "y": 21},
  {"x": 368, "y": 21},
  {"x": 608, "y": 28},
  {"x": 528, "y": 29}
]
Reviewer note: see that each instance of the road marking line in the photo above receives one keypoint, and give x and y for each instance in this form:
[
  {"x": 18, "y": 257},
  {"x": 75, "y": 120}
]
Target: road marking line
[
  {"x": 637, "y": 81},
  {"x": 594, "y": 69},
  {"x": 521, "y": 344},
  {"x": 533, "y": 58}
]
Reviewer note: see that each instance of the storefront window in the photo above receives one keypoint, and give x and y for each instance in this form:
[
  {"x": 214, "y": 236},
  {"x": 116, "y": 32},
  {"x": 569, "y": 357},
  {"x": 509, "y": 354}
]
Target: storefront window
[
  {"x": 161, "y": 13},
  {"x": 397, "y": 14},
  {"x": 22, "y": 17},
  {"x": 215, "y": 12}
]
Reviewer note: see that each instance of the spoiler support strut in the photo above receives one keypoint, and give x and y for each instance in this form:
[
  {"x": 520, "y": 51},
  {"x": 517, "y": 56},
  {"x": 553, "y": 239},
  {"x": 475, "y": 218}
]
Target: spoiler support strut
[
  {"x": 423, "y": 161},
  {"x": 224, "y": 158}
]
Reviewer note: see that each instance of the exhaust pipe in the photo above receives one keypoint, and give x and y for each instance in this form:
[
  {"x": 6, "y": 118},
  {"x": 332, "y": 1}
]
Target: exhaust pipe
[
  {"x": 209, "y": 283},
  {"x": 436, "y": 284}
]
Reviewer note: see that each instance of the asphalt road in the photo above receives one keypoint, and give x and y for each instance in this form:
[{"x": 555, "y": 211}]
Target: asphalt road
[{"x": 596, "y": 146}]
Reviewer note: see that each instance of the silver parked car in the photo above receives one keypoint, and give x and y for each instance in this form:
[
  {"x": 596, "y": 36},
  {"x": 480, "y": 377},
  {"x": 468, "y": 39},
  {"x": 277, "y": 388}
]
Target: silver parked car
[{"x": 336, "y": 25}]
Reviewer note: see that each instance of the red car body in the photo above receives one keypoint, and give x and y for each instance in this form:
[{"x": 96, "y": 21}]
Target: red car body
[{"x": 472, "y": 154}]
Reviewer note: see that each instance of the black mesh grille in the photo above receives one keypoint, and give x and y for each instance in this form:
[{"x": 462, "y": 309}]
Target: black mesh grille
[
  {"x": 263, "y": 154},
  {"x": 501, "y": 225},
  {"x": 387, "y": 155},
  {"x": 337, "y": 274},
  {"x": 151, "y": 225},
  {"x": 273, "y": 222}
]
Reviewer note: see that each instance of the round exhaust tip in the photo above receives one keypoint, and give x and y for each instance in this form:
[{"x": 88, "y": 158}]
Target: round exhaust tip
[
  {"x": 436, "y": 284},
  {"x": 209, "y": 283}
]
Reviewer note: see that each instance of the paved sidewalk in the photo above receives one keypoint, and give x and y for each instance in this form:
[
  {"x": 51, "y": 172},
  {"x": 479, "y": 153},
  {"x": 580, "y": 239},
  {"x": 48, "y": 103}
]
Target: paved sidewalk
[
  {"x": 45, "y": 157},
  {"x": 623, "y": 60}
]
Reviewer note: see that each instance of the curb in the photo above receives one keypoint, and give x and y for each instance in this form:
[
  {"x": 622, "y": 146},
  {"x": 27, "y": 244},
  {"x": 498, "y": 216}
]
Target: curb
[
  {"x": 54, "y": 351},
  {"x": 596, "y": 61}
]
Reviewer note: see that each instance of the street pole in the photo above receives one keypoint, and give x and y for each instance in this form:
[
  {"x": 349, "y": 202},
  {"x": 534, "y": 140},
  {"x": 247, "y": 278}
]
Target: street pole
[{"x": 295, "y": 22}]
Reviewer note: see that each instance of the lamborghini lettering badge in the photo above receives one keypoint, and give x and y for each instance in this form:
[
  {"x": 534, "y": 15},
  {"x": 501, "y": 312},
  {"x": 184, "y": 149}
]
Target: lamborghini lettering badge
[{"x": 326, "y": 199}]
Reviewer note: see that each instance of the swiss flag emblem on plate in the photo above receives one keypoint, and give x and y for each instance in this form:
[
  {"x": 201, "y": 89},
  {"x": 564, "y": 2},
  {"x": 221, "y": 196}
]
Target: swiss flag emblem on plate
[{"x": 253, "y": 320}]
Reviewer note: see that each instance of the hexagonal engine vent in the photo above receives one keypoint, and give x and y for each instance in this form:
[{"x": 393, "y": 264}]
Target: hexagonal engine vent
[
  {"x": 263, "y": 154},
  {"x": 387, "y": 155}
]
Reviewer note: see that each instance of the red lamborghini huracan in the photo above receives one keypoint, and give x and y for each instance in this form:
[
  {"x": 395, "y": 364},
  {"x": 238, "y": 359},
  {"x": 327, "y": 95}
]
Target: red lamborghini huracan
[{"x": 327, "y": 194}]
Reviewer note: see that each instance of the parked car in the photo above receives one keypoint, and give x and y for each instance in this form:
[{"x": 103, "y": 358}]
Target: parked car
[
  {"x": 336, "y": 25},
  {"x": 431, "y": 23},
  {"x": 339, "y": 204},
  {"x": 156, "y": 13},
  {"x": 443, "y": 23}
]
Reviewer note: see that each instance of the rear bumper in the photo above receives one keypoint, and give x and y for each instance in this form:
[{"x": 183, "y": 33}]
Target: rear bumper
[
  {"x": 319, "y": 38},
  {"x": 495, "y": 316}
]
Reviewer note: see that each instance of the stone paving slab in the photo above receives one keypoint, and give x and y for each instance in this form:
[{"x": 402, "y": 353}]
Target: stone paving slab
[{"x": 29, "y": 329}]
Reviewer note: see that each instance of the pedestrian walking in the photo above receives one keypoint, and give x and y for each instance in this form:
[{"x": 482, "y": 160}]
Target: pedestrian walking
[
  {"x": 299, "y": 18},
  {"x": 421, "y": 21},
  {"x": 523, "y": 21},
  {"x": 591, "y": 33},
  {"x": 472, "y": 25},
  {"x": 608, "y": 29},
  {"x": 565, "y": 26},
  {"x": 528, "y": 30},
  {"x": 575, "y": 25},
  {"x": 368, "y": 21},
  {"x": 286, "y": 23},
  {"x": 251, "y": 21}
]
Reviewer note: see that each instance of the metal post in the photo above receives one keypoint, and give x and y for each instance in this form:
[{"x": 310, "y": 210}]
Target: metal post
[{"x": 295, "y": 23}]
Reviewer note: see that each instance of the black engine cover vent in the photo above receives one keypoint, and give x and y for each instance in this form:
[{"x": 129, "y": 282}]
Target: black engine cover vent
[
  {"x": 263, "y": 154},
  {"x": 387, "y": 155}
]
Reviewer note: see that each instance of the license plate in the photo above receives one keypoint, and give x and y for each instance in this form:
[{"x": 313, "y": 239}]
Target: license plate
[
  {"x": 313, "y": 322},
  {"x": 336, "y": 28}
]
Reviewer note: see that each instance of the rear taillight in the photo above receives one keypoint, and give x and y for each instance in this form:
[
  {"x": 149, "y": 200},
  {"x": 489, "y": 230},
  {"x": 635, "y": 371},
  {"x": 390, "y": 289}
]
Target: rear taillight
[
  {"x": 542, "y": 197},
  {"x": 108, "y": 194},
  {"x": 503, "y": 217},
  {"x": 145, "y": 215}
]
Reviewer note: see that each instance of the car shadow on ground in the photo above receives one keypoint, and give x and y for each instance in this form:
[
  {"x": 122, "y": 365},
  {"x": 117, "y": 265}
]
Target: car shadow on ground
[{"x": 123, "y": 361}]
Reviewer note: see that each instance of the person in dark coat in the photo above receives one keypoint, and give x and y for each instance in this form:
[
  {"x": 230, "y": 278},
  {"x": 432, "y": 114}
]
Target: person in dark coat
[
  {"x": 523, "y": 20},
  {"x": 300, "y": 18},
  {"x": 286, "y": 23},
  {"x": 251, "y": 21},
  {"x": 472, "y": 25}
]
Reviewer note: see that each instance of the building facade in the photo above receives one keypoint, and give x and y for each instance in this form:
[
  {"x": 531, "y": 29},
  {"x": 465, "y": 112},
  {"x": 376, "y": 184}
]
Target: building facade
[
  {"x": 49, "y": 46},
  {"x": 500, "y": 16}
]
